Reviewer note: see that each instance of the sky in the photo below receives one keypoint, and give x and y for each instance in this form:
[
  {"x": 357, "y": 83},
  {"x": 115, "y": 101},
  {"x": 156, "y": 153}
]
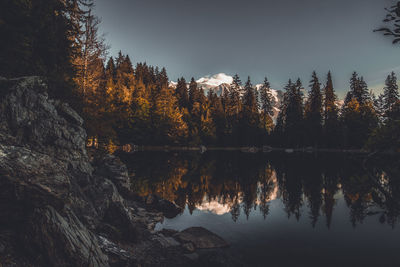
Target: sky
[{"x": 280, "y": 39}]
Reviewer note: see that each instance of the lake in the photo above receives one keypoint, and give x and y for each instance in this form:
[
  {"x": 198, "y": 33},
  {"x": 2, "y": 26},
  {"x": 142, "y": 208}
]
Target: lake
[{"x": 282, "y": 209}]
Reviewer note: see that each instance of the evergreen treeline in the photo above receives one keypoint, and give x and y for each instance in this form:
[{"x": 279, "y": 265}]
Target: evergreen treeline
[{"x": 122, "y": 103}]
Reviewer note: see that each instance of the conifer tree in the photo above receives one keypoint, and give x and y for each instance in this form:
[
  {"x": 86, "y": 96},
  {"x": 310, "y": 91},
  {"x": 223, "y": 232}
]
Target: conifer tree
[
  {"x": 294, "y": 114},
  {"x": 168, "y": 122},
  {"x": 331, "y": 116},
  {"x": 359, "y": 117},
  {"x": 390, "y": 95},
  {"x": 193, "y": 93},
  {"x": 218, "y": 115},
  {"x": 249, "y": 97},
  {"x": 182, "y": 93},
  {"x": 313, "y": 111},
  {"x": 39, "y": 38},
  {"x": 266, "y": 104},
  {"x": 110, "y": 69},
  {"x": 234, "y": 96},
  {"x": 279, "y": 130},
  {"x": 266, "y": 98},
  {"x": 233, "y": 109},
  {"x": 250, "y": 118},
  {"x": 358, "y": 90}
]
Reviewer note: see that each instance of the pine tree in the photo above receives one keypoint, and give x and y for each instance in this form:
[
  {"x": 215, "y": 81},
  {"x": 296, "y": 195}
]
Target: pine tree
[
  {"x": 250, "y": 118},
  {"x": 266, "y": 105},
  {"x": 313, "y": 111},
  {"x": 249, "y": 97},
  {"x": 234, "y": 96},
  {"x": 279, "y": 132},
  {"x": 358, "y": 89},
  {"x": 39, "y": 38},
  {"x": 358, "y": 117},
  {"x": 182, "y": 93},
  {"x": 294, "y": 114},
  {"x": 193, "y": 94},
  {"x": 167, "y": 118},
  {"x": 331, "y": 123},
  {"x": 266, "y": 98},
  {"x": 390, "y": 94},
  {"x": 233, "y": 110},
  {"x": 218, "y": 115}
]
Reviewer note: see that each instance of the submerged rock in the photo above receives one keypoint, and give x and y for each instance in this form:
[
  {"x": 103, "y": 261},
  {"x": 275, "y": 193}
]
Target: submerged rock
[
  {"x": 168, "y": 208},
  {"x": 201, "y": 238}
]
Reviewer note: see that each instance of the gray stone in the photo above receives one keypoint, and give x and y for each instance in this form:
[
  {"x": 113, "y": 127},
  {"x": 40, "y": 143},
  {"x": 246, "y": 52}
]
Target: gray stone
[
  {"x": 192, "y": 256},
  {"x": 166, "y": 242},
  {"x": 189, "y": 247},
  {"x": 201, "y": 238},
  {"x": 64, "y": 239}
]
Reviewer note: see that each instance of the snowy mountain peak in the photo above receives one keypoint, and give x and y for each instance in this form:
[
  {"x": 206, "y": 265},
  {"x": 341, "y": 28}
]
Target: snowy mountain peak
[{"x": 215, "y": 80}]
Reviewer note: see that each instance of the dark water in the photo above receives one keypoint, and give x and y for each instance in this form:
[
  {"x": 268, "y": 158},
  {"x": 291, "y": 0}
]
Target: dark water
[{"x": 282, "y": 210}]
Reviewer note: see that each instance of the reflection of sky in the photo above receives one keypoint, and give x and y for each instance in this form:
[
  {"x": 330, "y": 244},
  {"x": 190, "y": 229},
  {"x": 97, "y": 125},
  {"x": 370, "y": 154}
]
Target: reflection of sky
[
  {"x": 279, "y": 240},
  {"x": 218, "y": 207}
]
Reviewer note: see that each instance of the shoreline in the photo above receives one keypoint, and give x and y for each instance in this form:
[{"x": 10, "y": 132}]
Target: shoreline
[{"x": 129, "y": 148}]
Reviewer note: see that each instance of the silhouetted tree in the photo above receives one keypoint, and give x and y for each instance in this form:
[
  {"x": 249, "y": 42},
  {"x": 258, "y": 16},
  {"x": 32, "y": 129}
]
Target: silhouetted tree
[
  {"x": 331, "y": 116},
  {"x": 313, "y": 112}
]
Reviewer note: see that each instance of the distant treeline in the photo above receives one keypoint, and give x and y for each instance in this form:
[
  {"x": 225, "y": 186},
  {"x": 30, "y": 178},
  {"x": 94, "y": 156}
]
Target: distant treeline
[{"x": 122, "y": 103}]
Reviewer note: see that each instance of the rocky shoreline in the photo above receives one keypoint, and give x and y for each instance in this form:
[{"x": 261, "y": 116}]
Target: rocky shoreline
[{"x": 63, "y": 206}]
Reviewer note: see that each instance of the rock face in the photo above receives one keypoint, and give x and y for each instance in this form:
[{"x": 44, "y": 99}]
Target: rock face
[{"x": 58, "y": 208}]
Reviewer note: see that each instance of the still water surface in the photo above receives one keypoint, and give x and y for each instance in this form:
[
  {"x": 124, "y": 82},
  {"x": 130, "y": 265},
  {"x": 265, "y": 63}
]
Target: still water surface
[{"x": 280, "y": 209}]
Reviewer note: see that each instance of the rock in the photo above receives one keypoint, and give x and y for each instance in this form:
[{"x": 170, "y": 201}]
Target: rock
[
  {"x": 112, "y": 168},
  {"x": 2, "y": 248},
  {"x": 29, "y": 118},
  {"x": 63, "y": 240},
  {"x": 168, "y": 232},
  {"x": 168, "y": 208},
  {"x": 166, "y": 242},
  {"x": 192, "y": 256},
  {"x": 68, "y": 113},
  {"x": 117, "y": 256},
  {"x": 120, "y": 219},
  {"x": 201, "y": 238},
  {"x": 189, "y": 247}
]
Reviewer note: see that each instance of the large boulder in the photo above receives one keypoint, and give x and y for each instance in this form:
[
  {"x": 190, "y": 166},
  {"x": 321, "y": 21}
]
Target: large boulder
[
  {"x": 47, "y": 201},
  {"x": 168, "y": 208},
  {"x": 30, "y": 118},
  {"x": 114, "y": 169},
  {"x": 201, "y": 238},
  {"x": 62, "y": 240}
]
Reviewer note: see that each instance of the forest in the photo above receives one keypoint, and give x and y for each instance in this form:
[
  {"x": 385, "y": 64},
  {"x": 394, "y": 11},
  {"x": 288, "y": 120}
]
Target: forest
[{"x": 123, "y": 103}]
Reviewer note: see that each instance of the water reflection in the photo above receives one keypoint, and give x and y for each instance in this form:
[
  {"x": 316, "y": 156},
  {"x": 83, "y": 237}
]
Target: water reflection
[{"x": 245, "y": 184}]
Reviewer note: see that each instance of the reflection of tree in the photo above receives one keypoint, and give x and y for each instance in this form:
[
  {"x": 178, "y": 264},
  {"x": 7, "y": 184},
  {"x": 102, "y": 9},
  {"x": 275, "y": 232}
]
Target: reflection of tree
[
  {"x": 242, "y": 182},
  {"x": 357, "y": 191},
  {"x": 330, "y": 187},
  {"x": 289, "y": 180},
  {"x": 312, "y": 190},
  {"x": 267, "y": 189},
  {"x": 386, "y": 192},
  {"x": 235, "y": 210}
]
